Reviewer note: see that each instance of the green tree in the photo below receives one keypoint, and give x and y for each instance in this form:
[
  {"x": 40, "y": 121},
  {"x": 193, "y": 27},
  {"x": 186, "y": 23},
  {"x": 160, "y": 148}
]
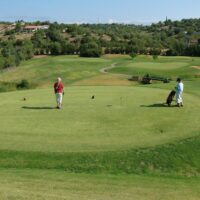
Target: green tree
[
  {"x": 68, "y": 48},
  {"x": 27, "y": 49},
  {"x": 8, "y": 49},
  {"x": 55, "y": 48},
  {"x": 18, "y": 26},
  {"x": 38, "y": 39},
  {"x": 54, "y": 34},
  {"x": 9, "y": 61},
  {"x": 90, "y": 47}
]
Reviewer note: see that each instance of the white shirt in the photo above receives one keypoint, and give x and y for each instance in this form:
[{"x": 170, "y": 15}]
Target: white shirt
[{"x": 180, "y": 87}]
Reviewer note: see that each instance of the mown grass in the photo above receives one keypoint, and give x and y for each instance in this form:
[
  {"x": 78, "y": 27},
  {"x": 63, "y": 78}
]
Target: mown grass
[
  {"x": 90, "y": 136},
  {"x": 179, "y": 158},
  {"x": 118, "y": 118},
  {"x": 56, "y": 185},
  {"x": 43, "y": 72},
  {"x": 171, "y": 67},
  {"x": 93, "y": 149}
]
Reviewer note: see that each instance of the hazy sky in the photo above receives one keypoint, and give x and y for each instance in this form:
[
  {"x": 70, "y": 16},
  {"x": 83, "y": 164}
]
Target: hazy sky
[{"x": 103, "y": 11}]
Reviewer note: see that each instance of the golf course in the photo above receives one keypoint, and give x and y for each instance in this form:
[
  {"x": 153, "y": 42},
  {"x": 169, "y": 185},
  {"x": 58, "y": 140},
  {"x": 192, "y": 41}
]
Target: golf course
[{"x": 124, "y": 143}]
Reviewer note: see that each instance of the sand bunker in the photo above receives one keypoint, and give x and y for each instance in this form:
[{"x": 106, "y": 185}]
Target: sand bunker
[{"x": 196, "y": 67}]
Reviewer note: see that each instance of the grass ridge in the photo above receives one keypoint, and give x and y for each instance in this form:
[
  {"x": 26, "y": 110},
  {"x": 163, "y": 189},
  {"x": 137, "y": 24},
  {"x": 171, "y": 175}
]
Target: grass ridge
[{"x": 180, "y": 158}]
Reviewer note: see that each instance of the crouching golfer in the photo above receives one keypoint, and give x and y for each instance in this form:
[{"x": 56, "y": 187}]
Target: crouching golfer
[
  {"x": 179, "y": 91},
  {"x": 59, "y": 91}
]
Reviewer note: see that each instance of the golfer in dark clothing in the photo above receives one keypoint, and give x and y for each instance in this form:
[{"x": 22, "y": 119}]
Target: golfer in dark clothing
[{"x": 59, "y": 91}]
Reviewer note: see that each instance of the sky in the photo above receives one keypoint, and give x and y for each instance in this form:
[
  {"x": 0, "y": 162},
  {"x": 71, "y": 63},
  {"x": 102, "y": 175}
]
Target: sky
[{"x": 98, "y": 11}]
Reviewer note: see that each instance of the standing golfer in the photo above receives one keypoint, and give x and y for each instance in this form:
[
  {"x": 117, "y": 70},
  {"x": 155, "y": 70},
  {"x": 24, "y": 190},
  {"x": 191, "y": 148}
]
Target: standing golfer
[
  {"x": 179, "y": 91},
  {"x": 59, "y": 91}
]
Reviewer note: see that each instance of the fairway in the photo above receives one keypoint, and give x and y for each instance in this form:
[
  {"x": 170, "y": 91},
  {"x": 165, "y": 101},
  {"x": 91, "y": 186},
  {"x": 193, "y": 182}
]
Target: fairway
[
  {"x": 42, "y": 71},
  {"x": 163, "y": 66},
  {"x": 124, "y": 144}
]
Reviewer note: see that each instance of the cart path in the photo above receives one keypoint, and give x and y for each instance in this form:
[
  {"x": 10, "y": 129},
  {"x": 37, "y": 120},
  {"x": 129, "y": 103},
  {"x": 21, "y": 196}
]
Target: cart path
[{"x": 105, "y": 70}]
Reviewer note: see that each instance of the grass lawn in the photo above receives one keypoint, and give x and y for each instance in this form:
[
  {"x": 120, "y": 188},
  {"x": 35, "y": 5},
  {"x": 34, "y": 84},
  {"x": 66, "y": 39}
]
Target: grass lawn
[
  {"x": 118, "y": 118},
  {"x": 44, "y": 71},
  {"x": 56, "y": 185},
  {"x": 124, "y": 144},
  {"x": 165, "y": 66}
]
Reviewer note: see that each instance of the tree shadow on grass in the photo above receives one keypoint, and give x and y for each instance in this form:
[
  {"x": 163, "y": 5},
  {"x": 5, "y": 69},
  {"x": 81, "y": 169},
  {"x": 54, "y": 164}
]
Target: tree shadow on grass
[
  {"x": 38, "y": 108},
  {"x": 158, "y": 105}
]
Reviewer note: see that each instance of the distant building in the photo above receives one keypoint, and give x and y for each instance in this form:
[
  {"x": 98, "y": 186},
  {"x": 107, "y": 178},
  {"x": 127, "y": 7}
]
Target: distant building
[
  {"x": 44, "y": 27},
  {"x": 32, "y": 28}
]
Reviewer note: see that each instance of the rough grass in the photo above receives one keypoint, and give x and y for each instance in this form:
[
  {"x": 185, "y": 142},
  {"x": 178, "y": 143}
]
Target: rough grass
[
  {"x": 5, "y": 87},
  {"x": 56, "y": 185},
  {"x": 180, "y": 158}
]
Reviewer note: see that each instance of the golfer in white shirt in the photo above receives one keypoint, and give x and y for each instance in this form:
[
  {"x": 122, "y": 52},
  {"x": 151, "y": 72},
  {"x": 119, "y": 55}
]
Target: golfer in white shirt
[{"x": 179, "y": 92}]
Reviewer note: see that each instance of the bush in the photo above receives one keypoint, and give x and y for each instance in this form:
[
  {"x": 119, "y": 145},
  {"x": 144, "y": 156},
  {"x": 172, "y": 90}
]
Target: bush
[
  {"x": 155, "y": 57},
  {"x": 91, "y": 53},
  {"x": 9, "y": 62},
  {"x": 24, "y": 84},
  {"x": 133, "y": 55}
]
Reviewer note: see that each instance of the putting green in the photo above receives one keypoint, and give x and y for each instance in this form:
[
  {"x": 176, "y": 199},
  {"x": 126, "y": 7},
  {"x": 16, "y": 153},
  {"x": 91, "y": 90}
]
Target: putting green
[{"x": 119, "y": 118}]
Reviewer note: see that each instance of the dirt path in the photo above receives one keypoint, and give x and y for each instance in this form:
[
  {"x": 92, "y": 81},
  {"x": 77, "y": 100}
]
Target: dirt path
[{"x": 106, "y": 71}]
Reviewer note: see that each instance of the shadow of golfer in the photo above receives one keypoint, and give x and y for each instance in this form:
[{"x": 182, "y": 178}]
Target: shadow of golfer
[
  {"x": 38, "y": 108},
  {"x": 158, "y": 105}
]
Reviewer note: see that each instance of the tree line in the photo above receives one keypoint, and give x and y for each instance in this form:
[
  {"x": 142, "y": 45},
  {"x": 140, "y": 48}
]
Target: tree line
[{"x": 170, "y": 38}]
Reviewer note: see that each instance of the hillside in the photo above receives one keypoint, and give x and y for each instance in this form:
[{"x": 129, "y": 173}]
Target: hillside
[{"x": 20, "y": 41}]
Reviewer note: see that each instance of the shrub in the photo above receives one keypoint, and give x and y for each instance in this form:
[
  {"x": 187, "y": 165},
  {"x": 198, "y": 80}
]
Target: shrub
[
  {"x": 133, "y": 55},
  {"x": 155, "y": 57},
  {"x": 24, "y": 84},
  {"x": 9, "y": 62}
]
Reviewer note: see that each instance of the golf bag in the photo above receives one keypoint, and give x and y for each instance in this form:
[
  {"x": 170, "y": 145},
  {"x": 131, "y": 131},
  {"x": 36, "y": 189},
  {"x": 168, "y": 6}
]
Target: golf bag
[{"x": 170, "y": 97}]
